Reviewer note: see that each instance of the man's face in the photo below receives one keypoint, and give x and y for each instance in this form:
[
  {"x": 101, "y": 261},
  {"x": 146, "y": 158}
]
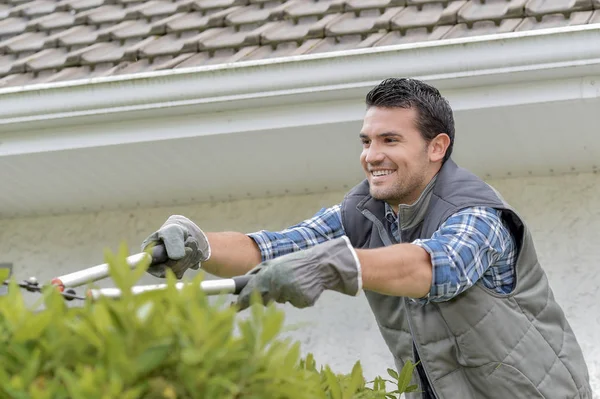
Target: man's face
[{"x": 395, "y": 157}]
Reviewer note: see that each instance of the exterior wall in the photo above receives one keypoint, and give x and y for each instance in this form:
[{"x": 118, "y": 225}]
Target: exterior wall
[{"x": 563, "y": 213}]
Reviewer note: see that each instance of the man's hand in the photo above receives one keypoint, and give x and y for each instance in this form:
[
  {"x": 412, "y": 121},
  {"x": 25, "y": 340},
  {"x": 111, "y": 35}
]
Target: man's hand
[
  {"x": 186, "y": 246},
  {"x": 301, "y": 277}
]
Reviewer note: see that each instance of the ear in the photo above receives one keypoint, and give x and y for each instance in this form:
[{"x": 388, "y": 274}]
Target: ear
[{"x": 438, "y": 147}]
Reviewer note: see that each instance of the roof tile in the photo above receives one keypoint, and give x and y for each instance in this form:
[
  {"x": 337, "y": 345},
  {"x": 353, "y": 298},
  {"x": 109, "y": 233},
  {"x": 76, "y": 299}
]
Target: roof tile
[
  {"x": 491, "y": 10},
  {"x": 42, "y": 7},
  {"x": 103, "y": 14},
  {"x": 314, "y": 8},
  {"x": 212, "y": 4},
  {"x": 52, "y": 21},
  {"x": 6, "y": 62},
  {"x": 555, "y": 20},
  {"x": 231, "y": 38},
  {"x": 45, "y": 59},
  {"x": 257, "y": 13},
  {"x": 356, "y": 5},
  {"x": 97, "y": 53},
  {"x": 541, "y": 7},
  {"x": 157, "y": 8},
  {"x": 169, "y": 62},
  {"x": 20, "y": 9},
  {"x": 82, "y": 5},
  {"x": 18, "y": 79},
  {"x": 198, "y": 20},
  {"x": 346, "y": 42},
  {"x": 413, "y": 35},
  {"x": 481, "y": 28},
  {"x": 11, "y": 26},
  {"x": 78, "y": 35},
  {"x": 131, "y": 29},
  {"x": 367, "y": 21},
  {"x": 4, "y": 11},
  {"x": 70, "y": 73},
  {"x": 30, "y": 41},
  {"x": 145, "y": 64},
  {"x": 428, "y": 15},
  {"x": 282, "y": 49},
  {"x": 172, "y": 43},
  {"x": 306, "y": 28},
  {"x": 422, "y": 2}
]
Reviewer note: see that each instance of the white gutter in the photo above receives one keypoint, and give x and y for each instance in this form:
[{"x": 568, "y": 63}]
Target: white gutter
[{"x": 450, "y": 64}]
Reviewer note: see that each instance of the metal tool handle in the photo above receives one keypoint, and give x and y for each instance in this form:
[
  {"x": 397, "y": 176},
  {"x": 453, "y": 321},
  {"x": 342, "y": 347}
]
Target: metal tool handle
[
  {"x": 99, "y": 272},
  {"x": 210, "y": 287}
]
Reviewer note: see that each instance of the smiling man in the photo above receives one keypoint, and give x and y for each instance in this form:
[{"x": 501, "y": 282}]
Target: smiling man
[{"x": 448, "y": 267}]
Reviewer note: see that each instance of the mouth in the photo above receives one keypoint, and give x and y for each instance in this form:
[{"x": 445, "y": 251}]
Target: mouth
[{"x": 381, "y": 174}]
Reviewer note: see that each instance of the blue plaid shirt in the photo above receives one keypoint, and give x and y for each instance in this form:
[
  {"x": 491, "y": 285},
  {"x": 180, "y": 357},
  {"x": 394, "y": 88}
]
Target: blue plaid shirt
[{"x": 471, "y": 245}]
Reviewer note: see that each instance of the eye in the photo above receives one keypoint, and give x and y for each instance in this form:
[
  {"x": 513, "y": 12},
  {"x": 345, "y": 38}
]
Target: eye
[
  {"x": 365, "y": 142},
  {"x": 390, "y": 140}
]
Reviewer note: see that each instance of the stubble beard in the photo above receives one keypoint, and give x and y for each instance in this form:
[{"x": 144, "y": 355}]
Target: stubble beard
[{"x": 404, "y": 190}]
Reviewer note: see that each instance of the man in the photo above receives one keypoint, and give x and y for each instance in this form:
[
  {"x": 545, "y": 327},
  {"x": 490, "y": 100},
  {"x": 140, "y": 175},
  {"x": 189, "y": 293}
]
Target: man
[{"x": 449, "y": 269}]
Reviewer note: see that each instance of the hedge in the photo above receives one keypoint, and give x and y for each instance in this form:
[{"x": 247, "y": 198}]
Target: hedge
[{"x": 172, "y": 343}]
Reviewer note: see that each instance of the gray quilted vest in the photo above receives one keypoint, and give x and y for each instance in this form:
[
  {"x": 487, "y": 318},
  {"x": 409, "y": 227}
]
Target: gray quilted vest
[{"x": 480, "y": 344}]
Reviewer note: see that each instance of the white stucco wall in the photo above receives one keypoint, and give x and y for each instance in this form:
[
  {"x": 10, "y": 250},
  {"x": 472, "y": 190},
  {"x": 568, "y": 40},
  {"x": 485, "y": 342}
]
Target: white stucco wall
[{"x": 563, "y": 213}]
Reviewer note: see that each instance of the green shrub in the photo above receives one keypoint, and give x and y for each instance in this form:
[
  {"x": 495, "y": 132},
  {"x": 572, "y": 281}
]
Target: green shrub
[{"x": 161, "y": 344}]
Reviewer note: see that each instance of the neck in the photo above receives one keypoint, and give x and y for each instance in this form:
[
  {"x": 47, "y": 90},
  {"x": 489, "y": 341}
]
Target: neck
[{"x": 411, "y": 214}]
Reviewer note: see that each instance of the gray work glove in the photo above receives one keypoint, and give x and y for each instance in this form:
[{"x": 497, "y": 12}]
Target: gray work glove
[
  {"x": 186, "y": 246},
  {"x": 301, "y": 277}
]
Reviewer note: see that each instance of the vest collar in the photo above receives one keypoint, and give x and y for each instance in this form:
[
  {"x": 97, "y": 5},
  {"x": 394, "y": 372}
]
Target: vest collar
[{"x": 411, "y": 215}]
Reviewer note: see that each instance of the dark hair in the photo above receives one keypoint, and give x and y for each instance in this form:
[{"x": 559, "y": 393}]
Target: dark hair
[{"x": 434, "y": 114}]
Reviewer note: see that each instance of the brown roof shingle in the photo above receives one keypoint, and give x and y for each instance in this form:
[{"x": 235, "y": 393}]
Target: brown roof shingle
[{"x": 48, "y": 41}]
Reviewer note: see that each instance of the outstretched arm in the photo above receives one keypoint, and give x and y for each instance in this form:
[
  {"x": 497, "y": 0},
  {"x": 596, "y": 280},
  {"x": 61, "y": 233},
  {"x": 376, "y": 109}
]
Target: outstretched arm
[
  {"x": 229, "y": 254},
  {"x": 399, "y": 270},
  {"x": 467, "y": 245},
  {"x": 232, "y": 254},
  {"x": 459, "y": 254}
]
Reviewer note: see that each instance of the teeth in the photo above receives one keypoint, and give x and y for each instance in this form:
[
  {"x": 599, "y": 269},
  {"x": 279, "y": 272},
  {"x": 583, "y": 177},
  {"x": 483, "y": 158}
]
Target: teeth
[{"x": 382, "y": 172}]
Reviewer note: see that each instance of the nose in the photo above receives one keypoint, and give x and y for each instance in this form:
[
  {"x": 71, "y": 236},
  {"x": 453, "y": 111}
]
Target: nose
[{"x": 373, "y": 155}]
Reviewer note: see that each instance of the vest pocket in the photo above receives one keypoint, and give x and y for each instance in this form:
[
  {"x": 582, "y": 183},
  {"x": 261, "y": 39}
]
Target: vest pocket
[{"x": 501, "y": 380}]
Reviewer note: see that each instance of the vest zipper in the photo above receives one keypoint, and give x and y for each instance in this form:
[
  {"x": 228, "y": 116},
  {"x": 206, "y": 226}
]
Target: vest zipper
[
  {"x": 385, "y": 237},
  {"x": 418, "y": 349}
]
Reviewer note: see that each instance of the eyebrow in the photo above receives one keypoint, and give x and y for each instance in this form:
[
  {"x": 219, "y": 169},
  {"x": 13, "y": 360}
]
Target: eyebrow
[{"x": 386, "y": 134}]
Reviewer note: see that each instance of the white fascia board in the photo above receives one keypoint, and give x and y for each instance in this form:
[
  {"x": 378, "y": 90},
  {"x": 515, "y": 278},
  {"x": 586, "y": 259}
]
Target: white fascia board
[{"x": 466, "y": 68}]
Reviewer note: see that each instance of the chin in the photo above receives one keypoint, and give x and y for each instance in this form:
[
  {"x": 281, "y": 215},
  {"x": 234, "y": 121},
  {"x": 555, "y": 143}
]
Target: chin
[{"x": 379, "y": 195}]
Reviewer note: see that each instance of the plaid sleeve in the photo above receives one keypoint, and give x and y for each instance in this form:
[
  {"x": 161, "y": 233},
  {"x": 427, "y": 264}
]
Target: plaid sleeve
[
  {"x": 472, "y": 244},
  {"x": 324, "y": 225}
]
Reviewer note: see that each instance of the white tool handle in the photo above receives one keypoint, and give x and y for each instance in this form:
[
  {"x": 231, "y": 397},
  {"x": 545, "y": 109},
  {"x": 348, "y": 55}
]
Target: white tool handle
[
  {"x": 95, "y": 273},
  {"x": 210, "y": 287}
]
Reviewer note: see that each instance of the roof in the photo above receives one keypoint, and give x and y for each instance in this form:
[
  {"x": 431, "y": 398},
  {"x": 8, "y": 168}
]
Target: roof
[
  {"x": 289, "y": 126},
  {"x": 45, "y": 41}
]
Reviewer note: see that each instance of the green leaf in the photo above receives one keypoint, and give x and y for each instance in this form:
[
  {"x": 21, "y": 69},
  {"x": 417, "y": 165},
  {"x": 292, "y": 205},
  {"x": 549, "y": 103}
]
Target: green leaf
[
  {"x": 32, "y": 327},
  {"x": 152, "y": 357},
  {"x": 405, "y": 376},
  {"x": 4, "y": 273},
  {"x": 393, "y": 373},
  {"x": 333, "y": 384},
  {"x": 412, "y": 388},
  {"x": 357, "y": 380}
]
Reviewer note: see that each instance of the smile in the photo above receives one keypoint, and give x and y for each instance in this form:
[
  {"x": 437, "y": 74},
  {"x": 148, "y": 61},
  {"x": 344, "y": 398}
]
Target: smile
[{"x": 384, "y": 172}]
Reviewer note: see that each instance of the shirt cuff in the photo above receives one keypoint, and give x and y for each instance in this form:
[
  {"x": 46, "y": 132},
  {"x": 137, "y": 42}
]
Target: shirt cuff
[{"x": 264, "y": 243}]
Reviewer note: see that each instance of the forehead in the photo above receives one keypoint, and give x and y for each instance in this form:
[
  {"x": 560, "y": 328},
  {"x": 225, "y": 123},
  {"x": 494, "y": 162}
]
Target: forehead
[{"x": 378, "y": 120}]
